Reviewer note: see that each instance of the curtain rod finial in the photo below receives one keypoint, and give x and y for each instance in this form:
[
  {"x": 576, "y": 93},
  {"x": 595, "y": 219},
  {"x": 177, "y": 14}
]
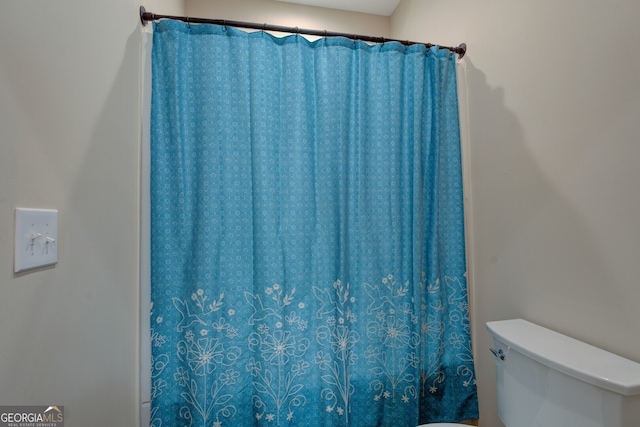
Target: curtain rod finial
[
  {"x": 462, "y": 50},
  {"x": 142, "y": 12},
  {"x": 146, "y": 16}
]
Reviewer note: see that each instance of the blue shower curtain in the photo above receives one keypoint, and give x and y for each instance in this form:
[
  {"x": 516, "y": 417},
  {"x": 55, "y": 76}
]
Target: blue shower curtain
[{"x": 307, "y": 250}]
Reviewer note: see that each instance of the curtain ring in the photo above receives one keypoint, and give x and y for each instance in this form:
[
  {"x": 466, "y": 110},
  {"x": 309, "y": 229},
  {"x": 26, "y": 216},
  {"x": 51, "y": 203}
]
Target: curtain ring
[
  {"x": 189, "y": 22},
  {"x": 264, "y": 27}
]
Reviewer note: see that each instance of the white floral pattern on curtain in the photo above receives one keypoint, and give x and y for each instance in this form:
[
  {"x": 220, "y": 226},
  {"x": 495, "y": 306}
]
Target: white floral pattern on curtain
[{"x": 307, "y": 233}]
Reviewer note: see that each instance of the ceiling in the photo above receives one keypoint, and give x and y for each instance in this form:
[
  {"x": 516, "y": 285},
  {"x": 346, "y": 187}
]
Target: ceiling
[{"x": 376, "y": 7}]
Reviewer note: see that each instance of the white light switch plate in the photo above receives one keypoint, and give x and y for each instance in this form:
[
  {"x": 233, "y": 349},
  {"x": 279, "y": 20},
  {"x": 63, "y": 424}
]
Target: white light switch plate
[{"x": 36, "y": 238}]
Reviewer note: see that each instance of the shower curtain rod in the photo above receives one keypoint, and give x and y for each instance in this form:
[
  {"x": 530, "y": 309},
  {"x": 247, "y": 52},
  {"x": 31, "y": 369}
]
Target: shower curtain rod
[{"x": 148, "y": 16}]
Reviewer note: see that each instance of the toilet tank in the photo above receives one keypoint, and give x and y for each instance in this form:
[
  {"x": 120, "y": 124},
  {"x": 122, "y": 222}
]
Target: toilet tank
[{"x": 546, "y": 379}]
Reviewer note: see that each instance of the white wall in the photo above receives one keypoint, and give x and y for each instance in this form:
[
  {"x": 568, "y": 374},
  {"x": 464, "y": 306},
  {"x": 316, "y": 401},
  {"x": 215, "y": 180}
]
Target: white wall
[
  {"x": 553, "y": 117},
  {"x": 554, "y": 122},
  {"x": 289, "y": 14},
  {"x": 69, "y": 140}
]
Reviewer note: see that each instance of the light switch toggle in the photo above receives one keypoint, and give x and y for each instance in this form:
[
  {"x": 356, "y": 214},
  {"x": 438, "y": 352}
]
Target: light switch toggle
[
  {"x": 47, "y": 241},
  {"x": 33, "y": 238},
  {"x": 36, "y": 236}
]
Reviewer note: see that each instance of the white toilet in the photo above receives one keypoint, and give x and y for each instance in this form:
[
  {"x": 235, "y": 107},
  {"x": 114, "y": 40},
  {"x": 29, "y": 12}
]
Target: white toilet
[{"x": 546, "y": 379}]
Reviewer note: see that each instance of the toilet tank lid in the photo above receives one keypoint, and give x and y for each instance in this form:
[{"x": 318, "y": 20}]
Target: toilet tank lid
[{"x": 569, "y": 356}]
